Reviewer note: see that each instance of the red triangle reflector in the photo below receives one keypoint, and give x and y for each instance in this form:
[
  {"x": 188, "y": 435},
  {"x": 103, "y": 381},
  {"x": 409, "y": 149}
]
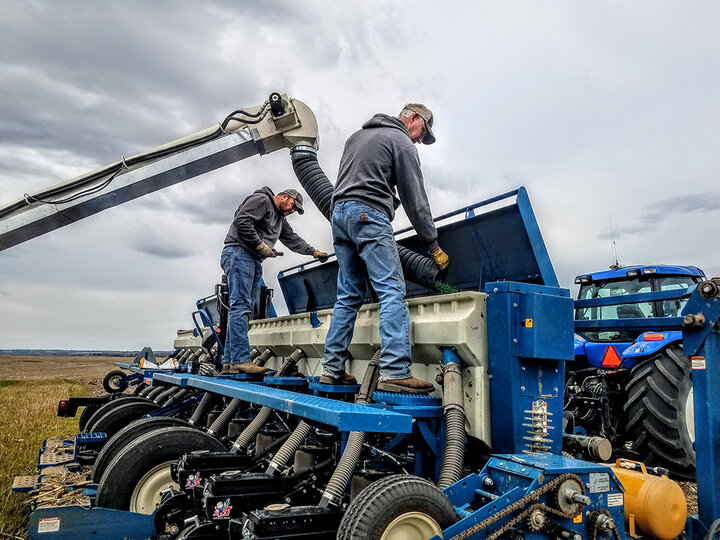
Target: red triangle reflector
[{"x": 611, "y": 358}]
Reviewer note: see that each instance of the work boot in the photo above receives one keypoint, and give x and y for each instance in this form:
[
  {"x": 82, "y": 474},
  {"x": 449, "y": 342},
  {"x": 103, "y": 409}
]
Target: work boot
[
  {"x": 411, "y": 385},
  {"x": 225, "y": 369},
  {"x": 346, "y": 378},
  {"x": 248, "y": 368}
]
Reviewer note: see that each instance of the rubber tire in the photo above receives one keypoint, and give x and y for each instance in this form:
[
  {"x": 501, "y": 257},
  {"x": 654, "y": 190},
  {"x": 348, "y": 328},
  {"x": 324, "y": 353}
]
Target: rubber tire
[
  {"x": 110, "y": 405},
  {"x": 125, "y": 436},
  {"x": 111, "y": 383},
  {"x": 657, "y": 395},
  {"x": 88, "y": 412},
  {"x": 381, "y": 502},
  {"x": 146, "y": 452},
  {"x": 119, "y": 417}
]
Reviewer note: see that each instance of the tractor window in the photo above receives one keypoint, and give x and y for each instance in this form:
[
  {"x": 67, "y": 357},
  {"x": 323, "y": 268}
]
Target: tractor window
[
  {"x": 673, "y": 308},
  {"x": 605, "y": 289}
]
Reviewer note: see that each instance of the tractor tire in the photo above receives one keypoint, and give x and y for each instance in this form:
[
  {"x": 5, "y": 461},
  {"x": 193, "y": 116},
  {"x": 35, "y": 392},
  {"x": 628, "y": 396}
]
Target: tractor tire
[
  {"x": 659, "y": 412},
  {"x": 88, "y": 412},
  {"x": 125, "y": 436},
  {"x": 399, "y": 506},
  {"x": 118, "y": 417},
  {"x": 110, "y": 405},
  {"x": 135, "y": 478},
  {"x": 114, "y": 382}
]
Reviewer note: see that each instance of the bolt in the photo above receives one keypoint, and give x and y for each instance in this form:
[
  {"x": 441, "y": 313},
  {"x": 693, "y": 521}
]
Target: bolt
[
  {"x": 495, "y": 289},
  {"x": 514, "y": 306},
  {"x": 523, "y": 368},
  {"x": 515, "y": 340},
  {"x": 691, "y": 320},
  {"x": 488, "y": 482},
  {"x": 522, "y": 388}
]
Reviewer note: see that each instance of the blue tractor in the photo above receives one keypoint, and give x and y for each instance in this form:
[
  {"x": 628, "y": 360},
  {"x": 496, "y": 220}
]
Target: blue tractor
[{"x": 630, "y": 382}]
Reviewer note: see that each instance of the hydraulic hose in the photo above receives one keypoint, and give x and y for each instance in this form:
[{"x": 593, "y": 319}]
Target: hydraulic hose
[
  {"x": 287, "y": 451},
  {"x": 454, "y": 412},
  {"x": 416, "y": 267},
  {"x": 166, "y": 394},
  {"x": 225, "y": 416},
  {"x": 155, "y": 392},
  {"x": 335, "y": 490},
  {"x": 201, "y": 409}
]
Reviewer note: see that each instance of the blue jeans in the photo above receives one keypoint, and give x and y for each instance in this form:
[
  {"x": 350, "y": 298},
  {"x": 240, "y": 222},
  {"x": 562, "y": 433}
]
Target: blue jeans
[
  {"x": 243, "y": 273},
  {"x": 365, "y": 246}
]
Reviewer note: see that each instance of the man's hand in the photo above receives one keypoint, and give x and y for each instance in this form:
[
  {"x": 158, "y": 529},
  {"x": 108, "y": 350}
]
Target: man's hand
[
  {"x": 440, "y": 258},
  {"x": 266, "y": 251},
  {"x": 321, "y": 256}
]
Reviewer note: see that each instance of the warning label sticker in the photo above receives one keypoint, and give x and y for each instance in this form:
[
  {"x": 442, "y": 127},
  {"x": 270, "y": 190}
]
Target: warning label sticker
[
  {"x": 46, "y": 525},
  {"x": 615, "y": 499},
  {"x": 698, "y": 362},
  {"x": 599, "y": 482}
]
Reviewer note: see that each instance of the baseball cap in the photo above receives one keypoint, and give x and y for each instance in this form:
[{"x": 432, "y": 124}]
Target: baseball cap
[
  {"x": 297, "y": 197},
  {"x": 427, "y": 115}
]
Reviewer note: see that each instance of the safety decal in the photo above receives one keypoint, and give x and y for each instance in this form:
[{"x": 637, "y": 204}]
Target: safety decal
[
  {"x": 222, "y": 509},
  {"x": 615, "y": 499},
  {"x": 698, "y": 362},
  {"x": 194, "y": 480},
  {"x": 46, "y": 525}
]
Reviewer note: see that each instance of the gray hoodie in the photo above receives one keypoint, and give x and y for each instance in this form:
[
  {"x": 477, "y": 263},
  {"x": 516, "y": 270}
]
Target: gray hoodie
[
  {"x": 257, "y": 220},
  {"x": 379, "y": 159}
]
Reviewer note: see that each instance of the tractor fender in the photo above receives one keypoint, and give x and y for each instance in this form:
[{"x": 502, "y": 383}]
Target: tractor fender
[
  {"x": 641, "y": 348},
  {"x": 580, "y": 345}
]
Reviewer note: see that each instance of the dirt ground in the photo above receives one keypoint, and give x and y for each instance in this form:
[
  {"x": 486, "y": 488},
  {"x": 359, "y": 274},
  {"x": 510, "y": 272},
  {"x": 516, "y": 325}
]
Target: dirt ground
[{"x": 89, "y": 369}]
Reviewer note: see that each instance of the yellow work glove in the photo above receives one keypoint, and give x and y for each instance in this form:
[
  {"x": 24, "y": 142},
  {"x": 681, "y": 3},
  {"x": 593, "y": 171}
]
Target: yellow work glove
[
  {"x": 266, "y": 251},
  {"x": 440, "y": 258},
  {"x": 320, "y": 255}
]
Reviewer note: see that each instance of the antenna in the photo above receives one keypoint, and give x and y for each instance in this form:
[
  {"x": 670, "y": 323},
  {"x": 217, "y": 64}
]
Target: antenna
[{"x": 616, "y": 265}]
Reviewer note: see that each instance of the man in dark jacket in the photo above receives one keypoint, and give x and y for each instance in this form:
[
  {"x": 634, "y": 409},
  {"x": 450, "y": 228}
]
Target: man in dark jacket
[
  {"x": 259, "y": 222},
  {"x": 378, "y": 160}
]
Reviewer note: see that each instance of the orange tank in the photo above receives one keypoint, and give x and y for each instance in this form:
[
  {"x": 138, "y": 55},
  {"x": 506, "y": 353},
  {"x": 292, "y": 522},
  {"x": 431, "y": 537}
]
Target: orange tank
[{"x": 655, "y": 505}]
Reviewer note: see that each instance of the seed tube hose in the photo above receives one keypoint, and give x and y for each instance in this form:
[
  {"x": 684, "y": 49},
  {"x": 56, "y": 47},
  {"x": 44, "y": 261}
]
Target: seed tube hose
[{"x": 454, "y": 412}]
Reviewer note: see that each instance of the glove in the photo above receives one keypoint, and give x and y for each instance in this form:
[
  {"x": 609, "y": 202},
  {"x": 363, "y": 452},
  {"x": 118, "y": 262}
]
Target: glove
[
  {"x": 440, "y": 258},
  {"x": 266, "y": 251},
  {"x": 321, "y": 256}
]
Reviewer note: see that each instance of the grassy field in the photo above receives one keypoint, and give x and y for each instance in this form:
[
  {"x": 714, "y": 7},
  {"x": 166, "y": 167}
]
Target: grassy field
[{"x": 30, "y": 388}]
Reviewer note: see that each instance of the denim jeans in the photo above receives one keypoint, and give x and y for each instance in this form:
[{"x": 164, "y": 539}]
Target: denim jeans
[
  {"x": 365, "y": 246},
  {"x": 243, "y": 273}
]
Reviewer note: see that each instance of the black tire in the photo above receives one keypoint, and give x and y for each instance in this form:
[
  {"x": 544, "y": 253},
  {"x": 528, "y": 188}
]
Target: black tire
[
  {"x": 87, "y": 413},
  {"x": 125, "y": 436},
  {"x": 154, "y": 450},
  {"x": 390, "y": 503},
  {"x": 658, "y": 412},
  {"x": 119, "y": 417},
  {"x": 115, "y": 382},
  {"x": 103, "y": 409}
]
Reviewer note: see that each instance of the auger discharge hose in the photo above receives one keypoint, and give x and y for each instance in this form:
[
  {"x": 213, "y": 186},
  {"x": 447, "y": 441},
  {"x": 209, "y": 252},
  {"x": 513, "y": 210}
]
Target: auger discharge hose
[
  {"x": 453, "y": 458},
  {"x": 262, "y": 358},
  {"x": 335, "y": 490},
  {"x": 416, "y": 267},
  {"x": 253, "y": 428}
]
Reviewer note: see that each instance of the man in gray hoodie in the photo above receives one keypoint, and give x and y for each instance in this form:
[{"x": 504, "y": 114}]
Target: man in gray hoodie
[
  {"x": 379, "y": 170},
  {"x": 259, "y": 222}
]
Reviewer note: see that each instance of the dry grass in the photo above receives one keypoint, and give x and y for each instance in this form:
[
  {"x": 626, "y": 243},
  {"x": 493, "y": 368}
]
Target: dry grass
[{"x": 28, "y": 417}]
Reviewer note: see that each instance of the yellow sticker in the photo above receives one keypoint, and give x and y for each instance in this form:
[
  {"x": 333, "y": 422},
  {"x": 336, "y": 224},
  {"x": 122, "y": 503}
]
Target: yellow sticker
[
  {"x": 578, "y": 518},
  {"x": 528, "y": 323}
]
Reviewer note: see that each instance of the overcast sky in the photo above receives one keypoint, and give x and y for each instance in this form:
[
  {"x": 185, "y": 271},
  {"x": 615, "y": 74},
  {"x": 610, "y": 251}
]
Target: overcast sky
[{"x": 605, "y": 112}]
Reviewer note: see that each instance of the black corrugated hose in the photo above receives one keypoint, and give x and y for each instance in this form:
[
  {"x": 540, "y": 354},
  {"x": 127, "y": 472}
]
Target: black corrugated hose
[
  {"x": 288, "y": 449},
  {"x": 201, "y": 409},
  {"x": 224, "y": 417},
  {"x": 416, "y": 267}
]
